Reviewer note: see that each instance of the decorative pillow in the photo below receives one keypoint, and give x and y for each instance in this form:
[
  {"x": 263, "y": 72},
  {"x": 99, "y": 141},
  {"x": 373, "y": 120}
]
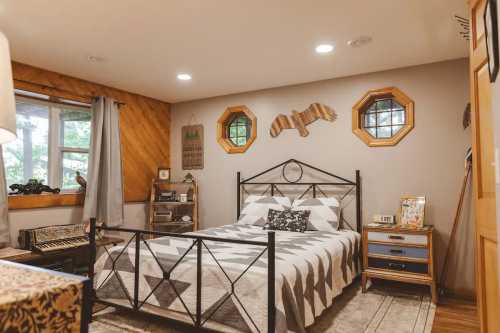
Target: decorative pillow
[
  {"x": 256, "y": 208},
  {"x": 325, "y": 212},
  {"x": 288, "y": 220}
]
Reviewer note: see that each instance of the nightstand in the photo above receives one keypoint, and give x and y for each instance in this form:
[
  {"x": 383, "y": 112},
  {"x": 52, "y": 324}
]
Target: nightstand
[{"x": 399, "y": 254}]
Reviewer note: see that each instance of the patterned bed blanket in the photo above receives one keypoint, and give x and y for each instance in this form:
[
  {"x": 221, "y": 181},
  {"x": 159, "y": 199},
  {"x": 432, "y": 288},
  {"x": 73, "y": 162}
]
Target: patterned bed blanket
[{"x": 311, "y": 269}]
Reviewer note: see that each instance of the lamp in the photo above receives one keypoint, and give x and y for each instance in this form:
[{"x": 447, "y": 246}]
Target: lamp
[{"x": 7, "y": 102}]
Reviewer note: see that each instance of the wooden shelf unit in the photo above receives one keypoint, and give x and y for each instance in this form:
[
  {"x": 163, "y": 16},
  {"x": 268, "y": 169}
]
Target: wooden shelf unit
[
  {"x": 158, "y": 221},
  {"x": 399, "y": 254}
]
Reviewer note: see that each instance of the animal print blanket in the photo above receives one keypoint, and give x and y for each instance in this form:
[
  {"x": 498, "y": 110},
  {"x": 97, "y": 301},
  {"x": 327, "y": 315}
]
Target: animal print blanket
[{"x": 311, "y": 269}]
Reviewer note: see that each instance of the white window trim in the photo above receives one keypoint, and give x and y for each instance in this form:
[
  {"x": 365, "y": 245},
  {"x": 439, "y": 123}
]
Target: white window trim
[{"x": 56, "y": 149}]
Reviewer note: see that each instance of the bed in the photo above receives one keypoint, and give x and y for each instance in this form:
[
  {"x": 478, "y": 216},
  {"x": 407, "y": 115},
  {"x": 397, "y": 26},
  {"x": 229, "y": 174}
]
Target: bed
[{"x": 238, "y": 277}]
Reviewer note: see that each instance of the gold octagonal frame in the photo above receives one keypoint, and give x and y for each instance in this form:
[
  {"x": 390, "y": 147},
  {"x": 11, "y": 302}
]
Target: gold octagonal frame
[
  {"x": 365, "y": 102},
  {"x": 222, "y": 138}
]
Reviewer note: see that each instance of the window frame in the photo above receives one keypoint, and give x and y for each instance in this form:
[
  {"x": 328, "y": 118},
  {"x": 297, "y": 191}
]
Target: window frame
[
  {"x": 223, "y": 129},
  {"x": 372, "y": 96},
  {"x": 56, "y": 150}
]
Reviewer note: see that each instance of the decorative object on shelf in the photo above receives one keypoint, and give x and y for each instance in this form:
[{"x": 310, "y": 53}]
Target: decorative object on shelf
[
  {"x": 384, "y": 219},
  {"x": 33, "y": 186},
  {"x": 382, "y": 117},
  {"x": 183, "y": 197},
  {"x": 186, "y": 218},
  {"x": 236, "y": 129},
  {"x": 81, "y": 181},
  {"x": 300, "y": 120},
  {"x": 412, "y": 211},
  {"x": 167, "y": 196},
  {"x": 164, "y": 173},
  {"x": 491, "y": 33},
  {"x": 192, "y": 147},
  {"x": 399, "y": 254},
  {"x": 466, "y": 116},
  {"x": 190, "y": 194},
  {"x": 188, "y": 178}
]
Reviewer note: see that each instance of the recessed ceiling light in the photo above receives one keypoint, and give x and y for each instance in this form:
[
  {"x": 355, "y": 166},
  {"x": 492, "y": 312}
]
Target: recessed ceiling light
[
  {"x": 184, "y": 77},
  {"x": 359, "y": 41},
  {"x": 324, "y": 48}
]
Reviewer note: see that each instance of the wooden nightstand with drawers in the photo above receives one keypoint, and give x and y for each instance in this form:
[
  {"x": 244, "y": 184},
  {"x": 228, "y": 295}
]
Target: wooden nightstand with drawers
[{"x": 399, "y": 254}]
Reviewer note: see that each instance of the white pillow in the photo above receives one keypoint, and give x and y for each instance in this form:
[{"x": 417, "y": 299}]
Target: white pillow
[
  {"x": 256, "y": 208},
  {"x": 325, "y": 212}
]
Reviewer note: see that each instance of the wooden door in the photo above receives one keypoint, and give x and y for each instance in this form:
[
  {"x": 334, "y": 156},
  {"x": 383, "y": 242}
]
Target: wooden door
[{"x": 488, "y": 295}]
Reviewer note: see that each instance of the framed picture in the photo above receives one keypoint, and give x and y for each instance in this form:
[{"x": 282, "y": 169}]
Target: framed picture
[
  {"x": 411, "y": 212},
  {"x": 163, "y": 173},
  {"x": 491, "y": 34}
]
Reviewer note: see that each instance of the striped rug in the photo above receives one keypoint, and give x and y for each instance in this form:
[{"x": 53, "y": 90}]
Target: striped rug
[{"x": 385, "y": 308}]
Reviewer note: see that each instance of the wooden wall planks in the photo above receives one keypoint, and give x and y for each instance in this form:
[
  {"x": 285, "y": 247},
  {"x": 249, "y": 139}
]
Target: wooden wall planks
[{"x": 144, "y": 123}]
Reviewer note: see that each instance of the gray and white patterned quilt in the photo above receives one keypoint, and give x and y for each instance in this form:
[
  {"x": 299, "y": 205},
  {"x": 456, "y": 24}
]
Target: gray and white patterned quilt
[{"x": 311, "y": 269}]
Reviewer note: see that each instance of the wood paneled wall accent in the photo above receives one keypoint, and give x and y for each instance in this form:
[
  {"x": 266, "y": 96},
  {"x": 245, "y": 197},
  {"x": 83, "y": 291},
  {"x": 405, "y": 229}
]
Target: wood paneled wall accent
[{"x": 144, "y": 123}]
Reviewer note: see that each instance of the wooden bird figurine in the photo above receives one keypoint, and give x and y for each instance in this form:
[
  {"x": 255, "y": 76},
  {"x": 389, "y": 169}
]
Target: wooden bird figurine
[
  {"x": 300, "y": 120},
  {"x": 80, "y": 180}
]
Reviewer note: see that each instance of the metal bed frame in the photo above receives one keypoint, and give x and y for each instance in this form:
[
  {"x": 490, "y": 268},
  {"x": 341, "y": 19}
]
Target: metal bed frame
[{"x": 138, "y": 237}]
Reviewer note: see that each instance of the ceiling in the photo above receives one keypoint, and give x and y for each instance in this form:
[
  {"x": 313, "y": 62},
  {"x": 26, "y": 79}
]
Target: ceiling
[{"x": 228, "y": 46}]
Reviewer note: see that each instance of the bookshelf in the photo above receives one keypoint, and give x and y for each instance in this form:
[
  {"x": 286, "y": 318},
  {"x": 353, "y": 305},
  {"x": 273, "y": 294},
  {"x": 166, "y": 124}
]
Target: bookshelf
[{"x": 168, "y": 211}]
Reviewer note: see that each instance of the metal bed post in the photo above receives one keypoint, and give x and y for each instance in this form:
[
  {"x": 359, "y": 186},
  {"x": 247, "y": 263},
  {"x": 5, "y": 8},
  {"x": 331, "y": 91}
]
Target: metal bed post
[
  {"x": 238, "y": 196},
  {"x": 92, "y": 249},
  {"x": 92, "y": 255},
  {"x": 136, "y": 269},
  {"x": 358, "y": 202},
  {"x": 198, "y": 282},
  {"x": 271, "y": 306}
]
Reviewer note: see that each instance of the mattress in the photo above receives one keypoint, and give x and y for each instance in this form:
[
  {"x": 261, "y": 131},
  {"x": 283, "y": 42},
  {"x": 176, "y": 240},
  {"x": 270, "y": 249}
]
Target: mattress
[{"x": 312, "y": 268}]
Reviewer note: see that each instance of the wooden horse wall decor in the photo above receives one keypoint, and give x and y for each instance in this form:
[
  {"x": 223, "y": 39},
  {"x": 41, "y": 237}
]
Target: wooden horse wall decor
[{"x": 300, "y": 120}]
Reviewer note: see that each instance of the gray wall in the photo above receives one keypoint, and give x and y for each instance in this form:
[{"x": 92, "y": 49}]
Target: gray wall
[{"x": 429, "y": 161}]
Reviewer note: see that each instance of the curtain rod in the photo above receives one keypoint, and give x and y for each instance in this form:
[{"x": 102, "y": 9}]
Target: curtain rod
[{"x": 89, "y": 97}]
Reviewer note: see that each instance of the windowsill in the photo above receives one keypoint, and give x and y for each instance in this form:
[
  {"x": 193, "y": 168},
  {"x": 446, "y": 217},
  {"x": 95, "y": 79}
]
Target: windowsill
[{"x": 45, "y": 200}]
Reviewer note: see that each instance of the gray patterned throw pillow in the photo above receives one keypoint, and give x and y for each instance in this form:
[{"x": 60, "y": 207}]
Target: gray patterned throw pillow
[
  {"x": 256, "y": 208},
  {"x": 325, "y": 212},
  {"x": 288, "y": 220}
]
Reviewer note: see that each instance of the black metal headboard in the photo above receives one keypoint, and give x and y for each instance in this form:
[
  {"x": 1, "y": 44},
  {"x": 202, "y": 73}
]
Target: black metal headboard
[{"x": 313, "y": 186}]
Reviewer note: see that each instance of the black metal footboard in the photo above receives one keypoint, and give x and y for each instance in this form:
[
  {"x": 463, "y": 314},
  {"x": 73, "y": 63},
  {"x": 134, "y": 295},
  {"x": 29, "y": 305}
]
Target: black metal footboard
[{"x": 198, "y": 321}]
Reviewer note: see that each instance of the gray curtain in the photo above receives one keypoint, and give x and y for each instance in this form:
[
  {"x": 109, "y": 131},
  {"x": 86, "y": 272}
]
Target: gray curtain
[
  {"x": 104, "y": 194},
  {"x": 4, "y": 206}
]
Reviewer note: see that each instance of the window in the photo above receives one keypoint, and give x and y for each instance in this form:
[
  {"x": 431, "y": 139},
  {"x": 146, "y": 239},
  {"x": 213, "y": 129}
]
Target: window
[
  {"x": 52, "y": 143},
  {"x": 239, "y": 129},
  {"x": 236, "y": 129},
  {"x": 383, "y": 117}
]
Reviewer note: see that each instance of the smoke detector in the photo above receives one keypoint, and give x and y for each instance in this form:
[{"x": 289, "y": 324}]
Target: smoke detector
[{"x": 359, "y": 41}]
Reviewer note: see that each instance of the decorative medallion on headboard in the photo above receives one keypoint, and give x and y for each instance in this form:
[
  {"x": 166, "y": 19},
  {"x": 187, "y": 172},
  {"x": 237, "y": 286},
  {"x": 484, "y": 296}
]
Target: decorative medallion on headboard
[
  {"x": 300, "y": 120},
  {"x": 192, "y": 147}
]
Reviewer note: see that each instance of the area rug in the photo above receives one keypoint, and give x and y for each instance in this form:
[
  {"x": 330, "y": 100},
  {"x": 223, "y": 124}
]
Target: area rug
[{"x": 385, "y": 308}]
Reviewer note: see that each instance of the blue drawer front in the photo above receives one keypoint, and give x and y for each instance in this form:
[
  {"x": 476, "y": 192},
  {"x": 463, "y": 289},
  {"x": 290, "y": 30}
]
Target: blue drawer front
[{"x": 398, "y": 251}]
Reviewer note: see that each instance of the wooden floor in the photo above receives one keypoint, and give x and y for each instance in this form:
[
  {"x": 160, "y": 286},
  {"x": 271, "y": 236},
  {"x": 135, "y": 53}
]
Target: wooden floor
[{"x": 455, "y": 316}]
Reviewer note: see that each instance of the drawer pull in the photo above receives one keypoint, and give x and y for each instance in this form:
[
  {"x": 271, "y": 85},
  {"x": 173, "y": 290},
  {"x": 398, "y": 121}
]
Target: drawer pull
[
  {"x": 396, "y": 237},
  {"x": 397, "y": 251},
  {"x": 399, "y": 267}
]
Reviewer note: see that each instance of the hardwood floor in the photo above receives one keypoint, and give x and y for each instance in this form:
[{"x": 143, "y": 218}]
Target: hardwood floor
[{"x": 455, "y": 315}]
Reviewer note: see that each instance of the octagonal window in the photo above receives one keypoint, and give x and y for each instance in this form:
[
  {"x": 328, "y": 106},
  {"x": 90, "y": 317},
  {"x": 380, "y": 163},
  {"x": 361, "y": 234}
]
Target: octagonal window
[
  {"x": 239, "y": 129},
  {"x": 383, "y": 117},
  {"x": 236, "y": 129}
]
